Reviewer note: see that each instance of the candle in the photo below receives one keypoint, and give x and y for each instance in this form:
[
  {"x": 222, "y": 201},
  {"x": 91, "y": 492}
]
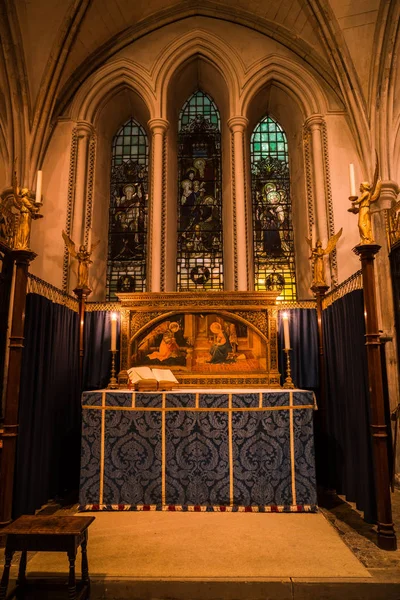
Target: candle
[
  {"x": 352, "y": 180},
  {"x": 113, "y": 332},
  {"x": 285, "y": 318},
  {"x": 38, "y": 187}
]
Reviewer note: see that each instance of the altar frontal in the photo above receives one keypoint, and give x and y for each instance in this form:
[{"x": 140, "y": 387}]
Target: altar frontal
[{"x": 198, "y": 450}]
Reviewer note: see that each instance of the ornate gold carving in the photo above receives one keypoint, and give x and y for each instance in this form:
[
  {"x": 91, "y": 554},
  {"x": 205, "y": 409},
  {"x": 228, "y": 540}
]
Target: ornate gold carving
[
  {"x": 17, "y": 209},
  {"x": 255, "y": 309},
  {"x": 362, "y": 206},
  {"x": 393, "y": 225},
  {"x": 317, "y": 257}
]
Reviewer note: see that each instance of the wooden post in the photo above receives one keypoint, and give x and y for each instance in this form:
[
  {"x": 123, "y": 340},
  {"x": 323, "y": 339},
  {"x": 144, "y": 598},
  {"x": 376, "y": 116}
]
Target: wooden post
[
  {"x": 22, "y": 260},
  {"x": 5, "y": 294},
  {"x": 81, "y": 294},
  {"x": 386, "y": 533},
  {"x": 320, "y": 417}
]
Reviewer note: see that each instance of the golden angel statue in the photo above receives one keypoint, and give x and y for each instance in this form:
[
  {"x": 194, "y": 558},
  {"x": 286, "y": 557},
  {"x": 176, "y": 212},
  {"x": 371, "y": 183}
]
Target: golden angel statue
[
  {"x": 369, "y": 193},
  {"x": 83, "y": 257},
  {"x": 28, "y": 210},
  {"x": 317, "y": 256}
]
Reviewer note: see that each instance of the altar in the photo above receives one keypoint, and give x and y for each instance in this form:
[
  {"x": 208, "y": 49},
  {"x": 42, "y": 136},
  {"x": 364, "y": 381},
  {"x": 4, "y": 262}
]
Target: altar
[{"x": 198, "y": 450}]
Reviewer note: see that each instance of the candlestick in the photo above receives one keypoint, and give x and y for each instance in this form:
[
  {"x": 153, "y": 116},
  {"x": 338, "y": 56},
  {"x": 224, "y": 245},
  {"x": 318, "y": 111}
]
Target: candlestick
[
  {"x": 285, "y": 319},
  {"x": 352, "y": 180},
  {"x": 113, "y": 385},
  {"x": 38, "y": 198},
  {"x": 113, "y": 332},
  {"x": 288, "y": 381}
]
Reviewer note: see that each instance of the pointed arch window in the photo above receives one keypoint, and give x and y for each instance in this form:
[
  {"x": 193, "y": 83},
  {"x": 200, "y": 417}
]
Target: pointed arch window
[
  {"x": 273, "y": 243},
  {"x": 127, "y": 238},
  {"x": 199, "y": 254}
]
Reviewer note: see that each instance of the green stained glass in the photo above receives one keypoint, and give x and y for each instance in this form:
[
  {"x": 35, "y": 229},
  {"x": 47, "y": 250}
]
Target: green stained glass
[{"x": 273, "y": 242}]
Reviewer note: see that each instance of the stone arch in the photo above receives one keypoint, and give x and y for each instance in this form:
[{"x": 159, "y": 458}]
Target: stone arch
[
  {"x": 202, "y": 63},
  {"x": 101, "y": 86},
  {"x": 212, "y": 50}
]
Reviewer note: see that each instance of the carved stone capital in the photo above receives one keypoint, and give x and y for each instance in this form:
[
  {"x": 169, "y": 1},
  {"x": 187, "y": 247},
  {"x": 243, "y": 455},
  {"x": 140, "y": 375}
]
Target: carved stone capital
[
  {"x": 158, "y": 125},
  {"x": 387, "y": 198},
  {"x": 238, "y": 123},
  {"x": 84, "y": 129},
  {"x": 314, "y": 121}
]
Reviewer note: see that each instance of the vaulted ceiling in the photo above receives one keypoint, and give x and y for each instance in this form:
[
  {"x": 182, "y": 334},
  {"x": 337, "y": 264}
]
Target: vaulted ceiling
[{"x": 51, "y": 46}]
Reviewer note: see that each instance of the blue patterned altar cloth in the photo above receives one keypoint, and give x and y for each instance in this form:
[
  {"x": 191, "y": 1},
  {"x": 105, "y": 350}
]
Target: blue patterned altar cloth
[{"x": 198, "y": 450}]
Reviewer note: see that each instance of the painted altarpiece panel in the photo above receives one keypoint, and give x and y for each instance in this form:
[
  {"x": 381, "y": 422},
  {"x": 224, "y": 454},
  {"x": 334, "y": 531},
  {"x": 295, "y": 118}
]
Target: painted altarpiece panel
[{"x": 210, "y": 339}]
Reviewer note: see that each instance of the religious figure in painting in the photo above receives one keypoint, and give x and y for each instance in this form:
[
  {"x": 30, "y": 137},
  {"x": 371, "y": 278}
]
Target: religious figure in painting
[
  {"x": 317, "y": 256},
  {"x": 362, "y": 206},
  {"x": 83, "y": 257},
  {"x": 221, "y": 345},
  {"x": 168, "y": 345}
]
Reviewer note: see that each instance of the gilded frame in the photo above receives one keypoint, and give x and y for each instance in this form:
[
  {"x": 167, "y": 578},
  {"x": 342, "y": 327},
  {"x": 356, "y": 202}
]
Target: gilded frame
[{"x": 257, "y": 310}]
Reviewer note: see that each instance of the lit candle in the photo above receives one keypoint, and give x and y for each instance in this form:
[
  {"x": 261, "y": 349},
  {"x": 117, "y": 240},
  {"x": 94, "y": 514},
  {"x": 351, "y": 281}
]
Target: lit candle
[
  {"x": 285, "y": 318},
  {"x": 352, "y": 180},
  {"x": 39, "y": 187},
  {"x": 113, "y": 332}
]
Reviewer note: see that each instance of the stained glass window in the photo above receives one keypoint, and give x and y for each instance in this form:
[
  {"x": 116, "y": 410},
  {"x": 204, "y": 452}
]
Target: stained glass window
[
  {"x": 199, "y": 256},
  {"x": 127, "y": 239},
  {"x": 274, "y": 264}
]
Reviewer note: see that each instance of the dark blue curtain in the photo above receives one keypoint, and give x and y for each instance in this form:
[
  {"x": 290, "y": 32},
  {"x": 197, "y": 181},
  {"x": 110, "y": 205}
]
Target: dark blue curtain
[
  {"x": 304, "y": 341},
  {"x": 348, "y": 446},
  {"x": 97, "y": 355},
  {"x": 48, "y": 445}
]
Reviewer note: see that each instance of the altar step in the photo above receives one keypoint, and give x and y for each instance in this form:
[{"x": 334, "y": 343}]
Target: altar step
[
  {"x": 271, "y": 589},
  {"x": 224, "y": 556}
]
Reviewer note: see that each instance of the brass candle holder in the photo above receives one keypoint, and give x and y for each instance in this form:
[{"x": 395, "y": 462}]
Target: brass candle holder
[
  {"x": 288, "y": 381},
  {"x": 113, "y": 385}
]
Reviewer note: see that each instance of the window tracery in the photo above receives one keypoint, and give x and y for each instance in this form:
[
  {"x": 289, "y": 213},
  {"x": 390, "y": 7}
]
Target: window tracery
[
  {"x": 127, "y": 239},
  {"x": 273, "y": 243},
  {"x": 199, "y": 255}
]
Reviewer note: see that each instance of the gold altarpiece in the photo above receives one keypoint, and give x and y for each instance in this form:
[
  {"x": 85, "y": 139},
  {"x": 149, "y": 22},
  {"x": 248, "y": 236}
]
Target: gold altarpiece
[{"x": 210, "y": 339}]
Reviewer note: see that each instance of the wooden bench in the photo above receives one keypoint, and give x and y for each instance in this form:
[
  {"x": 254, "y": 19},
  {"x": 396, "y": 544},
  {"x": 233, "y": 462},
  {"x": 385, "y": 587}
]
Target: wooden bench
[{"x": 48, "y": 534}]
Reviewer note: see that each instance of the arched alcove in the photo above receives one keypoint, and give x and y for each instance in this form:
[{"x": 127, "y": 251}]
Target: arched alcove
[
  {"x": 115, "y": 110},
  {"x": 197, "y": 73},
  {"x": 274, "y": 100}
]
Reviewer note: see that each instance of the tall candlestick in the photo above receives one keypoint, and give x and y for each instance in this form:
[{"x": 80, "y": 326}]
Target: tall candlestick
[
  {"x": 285, "y": 318},
  {"x": 89, "y": 242},
  {"x": 39, "y": 186},
  {"x": 352, "y": 180},
  {"x": 113, "y": 332}
]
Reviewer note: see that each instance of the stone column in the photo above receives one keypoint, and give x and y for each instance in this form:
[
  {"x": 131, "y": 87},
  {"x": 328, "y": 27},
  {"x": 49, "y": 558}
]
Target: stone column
[
  {"x": 387, "y": 199},
  {"x": 84, "y": 132},
  {"x": 156, "y": 274},
  {"x": 238, "y": 126},
  {"x": 315, "y": 124}
]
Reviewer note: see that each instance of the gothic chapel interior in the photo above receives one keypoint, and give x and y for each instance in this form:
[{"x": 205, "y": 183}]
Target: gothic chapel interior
[{"x": 193, "y": 153}]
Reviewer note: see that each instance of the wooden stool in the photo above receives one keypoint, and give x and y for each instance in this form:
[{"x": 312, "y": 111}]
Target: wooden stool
[{"x": 48, "y": 534}]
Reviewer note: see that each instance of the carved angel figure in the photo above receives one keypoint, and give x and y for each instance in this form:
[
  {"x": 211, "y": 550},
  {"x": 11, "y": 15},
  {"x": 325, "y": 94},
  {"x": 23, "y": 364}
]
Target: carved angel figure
[
  {"x": 369, "y": 193},
  {"x": 18, "y": 202},
  {"x": 317, "y": 256},
  {"x": 83, "y": 257}
]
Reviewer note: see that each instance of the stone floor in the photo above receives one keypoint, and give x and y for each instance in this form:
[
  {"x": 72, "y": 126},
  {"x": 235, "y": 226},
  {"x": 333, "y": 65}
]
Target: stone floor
[{"x": 381, "y": 581}]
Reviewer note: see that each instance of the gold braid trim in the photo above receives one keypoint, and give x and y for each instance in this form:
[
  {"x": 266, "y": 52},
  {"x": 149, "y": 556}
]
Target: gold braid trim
[
  {"x": 42, "y": 288},
  {"x": 354, "y": 282}
]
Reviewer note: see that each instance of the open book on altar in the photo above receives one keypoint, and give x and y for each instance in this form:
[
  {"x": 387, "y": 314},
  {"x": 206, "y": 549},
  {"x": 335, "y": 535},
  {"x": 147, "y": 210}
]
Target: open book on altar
[{"x": 146, "y": 379}]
